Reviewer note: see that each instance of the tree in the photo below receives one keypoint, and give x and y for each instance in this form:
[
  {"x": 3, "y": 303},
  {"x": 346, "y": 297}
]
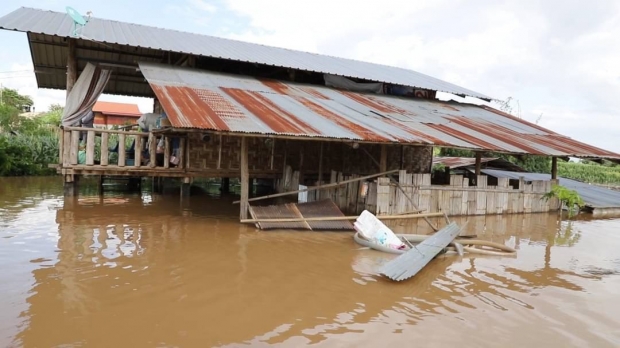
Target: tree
[{"x": 12, "y": 98}]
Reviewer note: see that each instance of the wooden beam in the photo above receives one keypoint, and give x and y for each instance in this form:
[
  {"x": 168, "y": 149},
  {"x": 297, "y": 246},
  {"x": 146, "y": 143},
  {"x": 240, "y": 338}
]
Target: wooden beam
[
  {"x": 478, "y": 163},
  {"x": 554, "y": 168},
  {"x": 383, "y": 159},
  {"x": 342, "y": 218},
  {"x": 104, "y": 131},
  {"x": 71, "y": 66},
  {"x": 320, "y": 187},
  {"x": 245, "y": 178}
]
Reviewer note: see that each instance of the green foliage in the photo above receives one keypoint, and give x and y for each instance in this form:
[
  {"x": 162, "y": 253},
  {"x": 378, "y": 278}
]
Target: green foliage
[
  {"x": 590, "y": 172},
  {"x": 12, "y": 98},
  {"x": 9, "y": 117},
  {"x": 27, "y": 145},
  {"x": 569, "y": 198},
  {"x": 25, "y": 154}
]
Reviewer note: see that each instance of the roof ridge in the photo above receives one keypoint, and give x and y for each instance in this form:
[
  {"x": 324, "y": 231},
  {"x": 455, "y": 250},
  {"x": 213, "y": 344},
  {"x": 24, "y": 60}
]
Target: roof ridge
[{"x": 242, "y": 41}]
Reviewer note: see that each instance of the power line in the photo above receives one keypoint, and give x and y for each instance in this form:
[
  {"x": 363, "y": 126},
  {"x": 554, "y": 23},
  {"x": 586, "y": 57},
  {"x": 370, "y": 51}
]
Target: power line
[{"x": 15, "y": 71}]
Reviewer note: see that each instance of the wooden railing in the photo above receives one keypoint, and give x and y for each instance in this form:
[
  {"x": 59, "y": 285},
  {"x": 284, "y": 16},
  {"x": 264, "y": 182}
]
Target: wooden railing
[{"x": 97, "y": 145}]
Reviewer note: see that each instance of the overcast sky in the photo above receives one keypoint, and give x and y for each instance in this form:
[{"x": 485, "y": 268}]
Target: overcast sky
[{"x": 559, "y": 59}]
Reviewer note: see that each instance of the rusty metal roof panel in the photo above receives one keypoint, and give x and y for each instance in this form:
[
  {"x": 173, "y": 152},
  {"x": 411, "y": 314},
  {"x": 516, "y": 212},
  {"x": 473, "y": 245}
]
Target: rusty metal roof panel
[
  {"x": 230, "y": 103},
  {"x": 113, "y": 32}
]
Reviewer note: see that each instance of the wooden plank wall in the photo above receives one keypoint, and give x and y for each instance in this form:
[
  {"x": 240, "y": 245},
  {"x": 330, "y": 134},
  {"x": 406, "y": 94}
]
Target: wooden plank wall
[
  {"x": 383, "y": 197},
  {"x": 459, "y": 198}
]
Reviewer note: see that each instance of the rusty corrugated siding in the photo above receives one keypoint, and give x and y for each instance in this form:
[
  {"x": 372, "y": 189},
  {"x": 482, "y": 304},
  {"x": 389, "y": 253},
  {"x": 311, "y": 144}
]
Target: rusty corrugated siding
[{"x": 211, "y": 101}]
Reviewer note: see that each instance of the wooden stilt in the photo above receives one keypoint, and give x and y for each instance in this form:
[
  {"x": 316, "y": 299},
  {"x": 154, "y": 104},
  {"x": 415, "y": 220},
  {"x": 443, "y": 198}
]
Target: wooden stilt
[
  {"x": 478, "y": 163},
  {"x": 71, "y": 66},
  {"x": 245, "y": 178},
  {"x": 318, "y": 194},
  {"x": 554, "y": 168},
  {"x": 186, "y": 188},
  {"x": 383, "y": 159}
]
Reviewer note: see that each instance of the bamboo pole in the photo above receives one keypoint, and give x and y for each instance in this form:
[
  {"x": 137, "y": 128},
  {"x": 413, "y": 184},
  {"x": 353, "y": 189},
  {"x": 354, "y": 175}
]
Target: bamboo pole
[
  {"x": 342, "y": 218},
  {"x": 320, "y": 187}
]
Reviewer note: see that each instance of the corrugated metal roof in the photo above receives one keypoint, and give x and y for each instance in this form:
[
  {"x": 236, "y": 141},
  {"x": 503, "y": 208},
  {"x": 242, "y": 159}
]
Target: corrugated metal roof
[
  {"x": 458, "y": 162},
  {"x": 206, "y": 100},
  {"x": 108, "y": 31},
  {"x": 594, "y": 196}
]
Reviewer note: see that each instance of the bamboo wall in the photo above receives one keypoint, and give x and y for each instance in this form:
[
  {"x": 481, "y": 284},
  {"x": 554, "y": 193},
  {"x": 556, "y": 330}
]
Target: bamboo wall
[{"x": 221, "y": 152}]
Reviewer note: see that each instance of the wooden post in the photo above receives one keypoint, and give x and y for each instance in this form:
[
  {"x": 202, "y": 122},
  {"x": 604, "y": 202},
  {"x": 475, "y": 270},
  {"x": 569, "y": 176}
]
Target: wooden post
[
  {"x": 166, "y": 151},
  {"x": 245, "y": 176},
  {"x": 66, "y": 150},
  {"x": 104, "y": 149},
  {"x": 121, "y": 150},
  {"x": 181, "y": 153},
  {"x": 186, "y": 187},
  {"x": 152, "y": 150},
  {"x": 219, "y": 153},
  {"x": 554, "y": 168},
  {"x": 75, "y": 143},
  {"x": 225, "y": 185},
  {"x": 137, "y": 158},
  {"x": 478, "y": 163},
  {"x": 70, "y": 187},
  {"x": 318, "y": 193},
  {"x": 383, "y": 159},
  {"x": 90, "y": 148},
  {"x": 61, "y": 141},
  {"x": 71, "y": 66}
]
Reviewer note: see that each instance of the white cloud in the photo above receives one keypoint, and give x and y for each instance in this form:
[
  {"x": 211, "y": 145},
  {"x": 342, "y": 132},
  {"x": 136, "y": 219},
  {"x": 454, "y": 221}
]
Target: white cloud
[{"x": 558, "y": 58}]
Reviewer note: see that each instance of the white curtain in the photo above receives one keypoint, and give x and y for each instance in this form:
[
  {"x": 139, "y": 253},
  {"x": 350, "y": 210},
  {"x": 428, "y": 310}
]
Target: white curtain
[
  {"x": 84, "y": 94},
  {"x": 344, "y": 83}
]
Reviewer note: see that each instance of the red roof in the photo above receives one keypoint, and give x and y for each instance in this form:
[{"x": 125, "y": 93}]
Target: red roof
[{"x": 119, "y": 109}]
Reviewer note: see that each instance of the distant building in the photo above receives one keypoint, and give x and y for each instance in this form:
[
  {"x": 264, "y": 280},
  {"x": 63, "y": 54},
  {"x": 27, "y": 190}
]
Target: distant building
[{"x": 109, "y": 114}]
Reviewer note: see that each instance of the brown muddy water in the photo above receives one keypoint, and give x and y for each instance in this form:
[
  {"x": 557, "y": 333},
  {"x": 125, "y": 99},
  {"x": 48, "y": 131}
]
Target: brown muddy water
[{"x": 143, "y": 270}]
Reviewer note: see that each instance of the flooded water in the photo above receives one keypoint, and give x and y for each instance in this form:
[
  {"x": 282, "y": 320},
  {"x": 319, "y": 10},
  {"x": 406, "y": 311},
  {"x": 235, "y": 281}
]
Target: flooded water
[{"x": 143, "y": 270}]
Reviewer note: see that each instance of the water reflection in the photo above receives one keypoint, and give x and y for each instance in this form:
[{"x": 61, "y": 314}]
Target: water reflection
[{"x": 147, "y": 270}]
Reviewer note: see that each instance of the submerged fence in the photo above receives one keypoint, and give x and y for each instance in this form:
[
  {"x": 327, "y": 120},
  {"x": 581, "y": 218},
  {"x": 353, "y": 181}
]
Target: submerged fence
[{"x": 414, "y": 192}]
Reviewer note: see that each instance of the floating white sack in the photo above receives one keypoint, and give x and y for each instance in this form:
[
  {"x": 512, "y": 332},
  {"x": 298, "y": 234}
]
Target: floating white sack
[{"x": 374, "y": 230}]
